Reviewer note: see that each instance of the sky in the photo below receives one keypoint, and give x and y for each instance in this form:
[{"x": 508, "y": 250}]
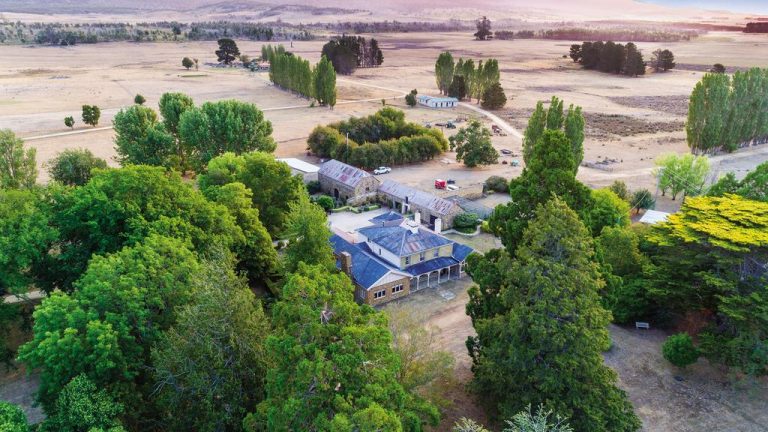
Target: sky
[{"x": 754, "y": 6}]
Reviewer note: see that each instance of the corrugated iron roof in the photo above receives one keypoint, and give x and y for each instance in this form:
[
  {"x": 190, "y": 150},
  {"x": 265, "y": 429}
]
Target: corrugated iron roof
[
  {"x": 366, "y": 269},
  {"x": 343, "y": 173},
  {"x": 418, "y": 197}
]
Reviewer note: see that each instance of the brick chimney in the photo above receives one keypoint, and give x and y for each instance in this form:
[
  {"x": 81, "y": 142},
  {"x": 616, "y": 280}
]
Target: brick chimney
[{"x": 346, "y": 262}]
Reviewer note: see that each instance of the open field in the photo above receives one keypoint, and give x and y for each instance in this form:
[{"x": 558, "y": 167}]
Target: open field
[{"x": 39, "y": 86}]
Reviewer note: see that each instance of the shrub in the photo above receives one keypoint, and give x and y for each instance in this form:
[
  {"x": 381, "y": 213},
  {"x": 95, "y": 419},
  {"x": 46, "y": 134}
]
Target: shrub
[
  {"x": 494, "y": 97},
  {"x": 69, "y": 121},
  {"x": 313, "y": 187},
  {"x": 187, "y": 62},
  {"x": 620, "y": 189},
  {"x": 73, "y": 166},
  {"x": 326, "y": 202},
  {"x": 497, "y": 184},
  {"x": 465, "y": 220},
  {"x": 678, "y": 349},
  {"x": 139, "y": 99}
]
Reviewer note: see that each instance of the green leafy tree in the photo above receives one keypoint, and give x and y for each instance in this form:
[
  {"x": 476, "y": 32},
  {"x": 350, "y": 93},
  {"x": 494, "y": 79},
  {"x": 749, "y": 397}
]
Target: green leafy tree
[
  {"x": 105, "y": 328},
  {"x": 410, "y": 99},
  {"x": 172, "y": 106},
  {"x": 708, "y": 257},
  {"x": 258, "y": 258},
  {"x": 140, "y": 138},
  {"x": 540, "y": 338},
  {"x": 634, "y": 65},
  {"x": 707, "y": 113},
  {"x": 526, "y": 421},
  {"x": 718, "y": 68},
  {"x": 553, "y": 118},
  {"x": 91, "y": 115},
  {"x": 473, "y": 145},
  {"x": 678, "y": 349},
  {"x": 642, "y": 200},
  {"x": 754, "y": 186},
  {"x": 550, "y": 170},
  {"x": 494, "y": 97},
  {"x": 12, "y": 418},
  {"x": 662, "y": 60},
  {"x": 25, "y": 238},
  {"x": 444, "y": 68},
  {"x": 273, "y": 185},
  {"x": 69, "y": 122},
  {"x": 575, "y": 53},
  {"x": 607, "y": 210},
  {"x": 139, "y": 99},
  {"x": 228, "y": 51},
  {"x": 468, "y": 425},
  {"x": 681, "y": 173},
  {"x": 187, "y": 62},
  {"x": 334, "y": 367},
  {"x": 325, "y": 83},
  {"x": 618, "y": 251},
  {"x": 225, "y": 126},
  {"x": 497, "y": 184},
  {"x": 209, "y": 367},
  {"x": 483, "y": 29},
  {"x": 458, "y": 88},
  {"x": 120, "y": 207},
  {"x": 307, "y": 229},
  {"x": 620, "y": 189},
  {"x": 73, "y": 167},
  {"x": 18, "y": 168},
  {"x": 82, "y": 407}
]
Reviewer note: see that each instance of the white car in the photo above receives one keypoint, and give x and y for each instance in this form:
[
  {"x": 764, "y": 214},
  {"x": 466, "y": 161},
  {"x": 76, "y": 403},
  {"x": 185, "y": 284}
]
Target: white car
[{"x": 382, "y": 170}]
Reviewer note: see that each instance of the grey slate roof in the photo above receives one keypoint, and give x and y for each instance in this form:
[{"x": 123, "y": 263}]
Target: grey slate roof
[
  {"x": 387, "y": 217},
  {"x": 366, "y": 268},
  {"x": 343, "y": 173},
  {"x": 401, "y": 241},
  {"x": 418, "y": 197}
]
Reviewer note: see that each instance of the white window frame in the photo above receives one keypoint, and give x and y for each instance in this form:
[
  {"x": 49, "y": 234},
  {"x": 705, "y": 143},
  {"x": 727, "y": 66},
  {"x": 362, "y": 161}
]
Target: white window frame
[
  {"x": 379, "y": 294},
  {"x": 398, "y": 289}
]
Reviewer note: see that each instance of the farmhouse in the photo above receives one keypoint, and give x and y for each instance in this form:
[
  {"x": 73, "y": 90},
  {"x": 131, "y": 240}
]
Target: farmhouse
[
  {"x": 394, "y": 257},
  {"x": 304, "y": 169},
  {"x": 347, "y": 183},
  {"x": 436, "y": 212},
  {"x": 437, "y": 102}
]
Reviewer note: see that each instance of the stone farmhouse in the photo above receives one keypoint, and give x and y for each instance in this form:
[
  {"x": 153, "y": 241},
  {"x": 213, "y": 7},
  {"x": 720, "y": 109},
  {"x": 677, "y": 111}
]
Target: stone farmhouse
[{"x": 347, "y": 183}]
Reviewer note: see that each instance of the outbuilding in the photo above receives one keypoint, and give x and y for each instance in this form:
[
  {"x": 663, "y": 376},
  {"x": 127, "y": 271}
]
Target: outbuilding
[
  {"x": 347, "y": 183},
  {"x": 435, "y": 212},
  {"x": 437, "y": 102},
  {"x": 304, "y": 169}
]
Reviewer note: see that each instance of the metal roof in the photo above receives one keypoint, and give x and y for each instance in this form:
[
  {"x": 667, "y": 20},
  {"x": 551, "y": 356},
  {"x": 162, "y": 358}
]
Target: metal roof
[
  {"x": 300, "y": 165},
  {"x": 401, "y": 241},
  {"x": 366, "y": 269},
  {"x": 418, "y": 197},
  {"x": 425, "y": 98},
  {"x": 653, "y": 217},
  {"x": 387, "y": 217},
  {"x": 343, "y": 173}
]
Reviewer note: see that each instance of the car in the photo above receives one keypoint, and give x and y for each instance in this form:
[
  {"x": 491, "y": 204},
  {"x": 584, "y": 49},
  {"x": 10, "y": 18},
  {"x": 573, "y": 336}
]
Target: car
[
  {"x": 450, "y": 125},
  {"x": 506, "y": 151},
  {"x": 382, "y": 170}
]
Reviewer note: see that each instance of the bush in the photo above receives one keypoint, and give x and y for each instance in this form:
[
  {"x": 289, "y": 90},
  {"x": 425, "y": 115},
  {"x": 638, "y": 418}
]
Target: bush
[
  {"x": 620, "y": 189},
  {"x": 494, "y": 97},
  {"x": 679, "y": 350},
  {"x": 139, "y": 99},
  {"x": 497, "y": 184},
  {"x": 486, "y": 227},
  {"x": 326, "y": 202},
  {"x": 313, "y": 187},
  {"x": 12, "y": 418},
  {"x": 73, "y": 167},
  {"x": 465, "y": 220},
  {"x": 69, "y": 121}
]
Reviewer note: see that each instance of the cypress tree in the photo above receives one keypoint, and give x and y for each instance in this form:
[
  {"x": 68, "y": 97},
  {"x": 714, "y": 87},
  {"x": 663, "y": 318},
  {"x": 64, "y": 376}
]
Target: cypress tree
[{"x": 325, "y": 82}]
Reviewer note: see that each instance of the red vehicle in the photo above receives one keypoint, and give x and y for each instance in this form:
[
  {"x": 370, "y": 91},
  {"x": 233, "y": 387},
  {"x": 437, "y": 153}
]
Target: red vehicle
[{"x": 440, "y": 184}]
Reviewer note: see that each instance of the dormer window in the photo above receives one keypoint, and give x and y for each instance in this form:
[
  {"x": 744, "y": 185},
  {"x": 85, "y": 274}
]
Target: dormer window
[
  {"x": 407, "y": 260},
  {"x": 422, "y": 256}
]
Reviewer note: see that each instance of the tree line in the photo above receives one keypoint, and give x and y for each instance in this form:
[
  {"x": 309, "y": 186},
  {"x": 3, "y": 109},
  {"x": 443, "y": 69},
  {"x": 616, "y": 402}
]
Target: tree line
[
  {"x": 728, "y": 112},
  {"x": 291, "y": 72},
  {"x": 348, "y": 53},
  {"x": 463, "y": 78},
  {"x": 383, "y": 138},
  {"x": 151, "y": 322}
]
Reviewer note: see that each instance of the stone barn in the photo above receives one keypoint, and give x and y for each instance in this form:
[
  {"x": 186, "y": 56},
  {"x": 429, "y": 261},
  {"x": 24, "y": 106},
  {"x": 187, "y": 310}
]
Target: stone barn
[
  {"x": 433, "y": 211},
  {"x": 347, "y": 183}
]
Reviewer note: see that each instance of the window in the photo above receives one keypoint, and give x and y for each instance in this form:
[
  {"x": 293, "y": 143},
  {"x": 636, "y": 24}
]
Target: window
[
  {"x": 379, "y": 294},
  {"x": 397, "y": 288},
  {"x": 436, "y": 253},
  {"x": 422, "y": 256},
  {"x": 407, "y": 260}
]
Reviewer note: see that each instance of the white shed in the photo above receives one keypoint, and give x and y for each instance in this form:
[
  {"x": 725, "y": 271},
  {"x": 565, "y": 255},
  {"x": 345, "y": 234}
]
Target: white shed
[
  {"x": 299, "y": 167},
  {"x": 437, "y": 102}
]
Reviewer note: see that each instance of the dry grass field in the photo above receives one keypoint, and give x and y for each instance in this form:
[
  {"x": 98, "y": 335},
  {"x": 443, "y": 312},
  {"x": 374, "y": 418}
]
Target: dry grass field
[{"x": 631, "y": 120}]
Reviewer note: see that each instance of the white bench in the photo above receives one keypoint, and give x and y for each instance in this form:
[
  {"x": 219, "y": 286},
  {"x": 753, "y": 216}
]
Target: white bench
[{"x": 642, "y": 325}]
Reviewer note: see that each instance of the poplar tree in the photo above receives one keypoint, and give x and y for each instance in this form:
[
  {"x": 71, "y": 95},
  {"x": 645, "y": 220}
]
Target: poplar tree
[
  {"x": 325, "y": 82},
  {"x": 552, "y": 119},
  {"x": 444, "y": 68},
  {"x": 707, "y": 113}
]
